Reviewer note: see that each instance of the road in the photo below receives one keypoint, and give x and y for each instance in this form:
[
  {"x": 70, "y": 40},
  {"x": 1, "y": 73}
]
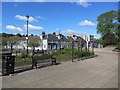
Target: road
[{"x": 98, "y": 72}]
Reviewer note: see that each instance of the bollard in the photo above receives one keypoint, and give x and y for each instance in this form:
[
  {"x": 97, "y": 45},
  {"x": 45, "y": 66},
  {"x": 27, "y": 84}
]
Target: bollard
[
  {"x": 86, "y": 52},
  {"x": 81, "y": 50},
  {"x": 78, "y": 51},
  {"x": 16, "y": 53},
  {"x": 72, "y": 50},
  {"x": 92, "y": 49},
  {"x": 19, "y": 50},
  {"x": 78, "y": 54}
]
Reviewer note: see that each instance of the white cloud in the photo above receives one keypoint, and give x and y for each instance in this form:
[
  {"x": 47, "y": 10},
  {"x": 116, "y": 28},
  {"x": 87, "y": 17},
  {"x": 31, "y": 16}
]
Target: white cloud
[
  {"x": 57, "y": 29},
  {"x": 83, "y": 3},
  {"x": 15, "y": 5},
  {"x": 40, "y": 17},
  {"x": 31, "y": 19},
  {"x": 31, "y": 27},
  {"x": 72, "y": 31},
  {"x": 13, "y": 28},
  {"x": 86, "y": 23}
]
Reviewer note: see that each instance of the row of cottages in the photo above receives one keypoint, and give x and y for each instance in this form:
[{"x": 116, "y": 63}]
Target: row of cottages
[{"x": 54, "y": 42}]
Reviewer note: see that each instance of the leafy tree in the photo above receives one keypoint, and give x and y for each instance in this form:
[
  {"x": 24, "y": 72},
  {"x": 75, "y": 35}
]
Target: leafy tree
[
  {"x": 19, "y": 35},
  {"x": 54, "y": 33},
  {"x": 34, "y": 41},
  {"x": 108, "y": 26},
  {"x": 107, "y": 23},
  {"x": 7, "y": 35},
  {"x": 110, "y": 39},
  {"x": 101, "y": 41},
  {"x": 14, "y": 40},
  {"x": 4, "y": 41}
]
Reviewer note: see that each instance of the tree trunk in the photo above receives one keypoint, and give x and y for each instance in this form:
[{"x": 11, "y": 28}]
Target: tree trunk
[
  {"x": 11, "y": 48},
  {"x": 33, "y": 50}
]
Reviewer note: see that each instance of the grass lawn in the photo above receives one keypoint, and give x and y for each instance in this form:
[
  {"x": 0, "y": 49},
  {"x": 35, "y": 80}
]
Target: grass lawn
[
  {"x": 60, "y": 55},
  {"x": 19, "y": 61},
  {"x": 66, "y": 54},
  {"x": 111, "y": 46}
]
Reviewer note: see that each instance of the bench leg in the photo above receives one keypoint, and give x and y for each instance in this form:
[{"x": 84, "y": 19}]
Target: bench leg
[
  {"x": 54, "y": 62},
  {"x": 36, "y": 66},
  {"x": 34, "y": 63}
]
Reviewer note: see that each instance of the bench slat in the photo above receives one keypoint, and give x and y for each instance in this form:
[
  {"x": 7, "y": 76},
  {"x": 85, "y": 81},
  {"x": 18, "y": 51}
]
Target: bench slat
[{"x": 42, "y": 59}]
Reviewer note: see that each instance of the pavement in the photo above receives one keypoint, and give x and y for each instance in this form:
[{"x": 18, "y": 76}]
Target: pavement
[{"x": 97, "y": 72}]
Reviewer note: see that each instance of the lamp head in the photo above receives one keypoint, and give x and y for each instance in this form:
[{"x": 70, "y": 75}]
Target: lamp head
[{"x": 27, "y": 16}]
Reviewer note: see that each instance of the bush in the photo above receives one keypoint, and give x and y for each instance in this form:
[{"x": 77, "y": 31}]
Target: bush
[
  {"x": 118, "y": 46},
  {"x": 19, "y": 61},
  {"x": 23, "y": 54},
  {"x": 67, "y": 53}
]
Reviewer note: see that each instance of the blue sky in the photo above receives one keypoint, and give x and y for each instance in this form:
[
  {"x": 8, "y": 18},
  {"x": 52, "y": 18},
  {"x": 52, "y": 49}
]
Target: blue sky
[{"x": 53, "y": 17}]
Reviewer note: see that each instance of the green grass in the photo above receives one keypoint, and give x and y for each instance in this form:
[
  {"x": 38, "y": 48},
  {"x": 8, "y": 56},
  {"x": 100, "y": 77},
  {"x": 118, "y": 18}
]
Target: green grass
[
  {"x": 111, "y": 46},
  {"x": 60, "y": 55},
  {"x": 19, "y": 61},
  {"x": 5, "y": 49},
  {"x": 66, "y": 54}
]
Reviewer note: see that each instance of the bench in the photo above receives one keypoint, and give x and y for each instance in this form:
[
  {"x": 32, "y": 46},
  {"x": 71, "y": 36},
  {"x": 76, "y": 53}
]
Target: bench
[{"x": 42, "y": 59}]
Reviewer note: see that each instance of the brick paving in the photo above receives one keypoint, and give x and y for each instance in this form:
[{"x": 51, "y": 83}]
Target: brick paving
[{"x": 98, "y": 72}]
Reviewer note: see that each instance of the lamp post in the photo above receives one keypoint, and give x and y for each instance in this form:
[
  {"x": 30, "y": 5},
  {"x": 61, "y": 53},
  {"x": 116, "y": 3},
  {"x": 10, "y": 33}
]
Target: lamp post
[{"x": 27, "y": 33}]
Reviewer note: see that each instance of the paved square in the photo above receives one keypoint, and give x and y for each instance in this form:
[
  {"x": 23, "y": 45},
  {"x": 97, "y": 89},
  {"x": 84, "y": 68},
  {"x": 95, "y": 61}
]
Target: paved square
[{"x": 98, "y": 72}]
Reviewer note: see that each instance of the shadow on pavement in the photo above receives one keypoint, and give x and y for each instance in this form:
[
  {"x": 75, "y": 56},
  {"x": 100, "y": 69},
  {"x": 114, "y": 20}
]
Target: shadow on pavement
[{"x": 20, "y": 70}]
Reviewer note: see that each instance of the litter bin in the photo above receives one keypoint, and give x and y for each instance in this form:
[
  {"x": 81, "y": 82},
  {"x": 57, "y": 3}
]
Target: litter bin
[{"x": 8, "y": 64}]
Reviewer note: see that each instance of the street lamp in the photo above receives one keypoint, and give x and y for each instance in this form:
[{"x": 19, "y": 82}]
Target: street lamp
[{"x": 27, "y": 33}]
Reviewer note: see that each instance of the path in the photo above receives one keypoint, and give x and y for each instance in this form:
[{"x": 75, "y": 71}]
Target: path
[{"x": 98, "y": 72}]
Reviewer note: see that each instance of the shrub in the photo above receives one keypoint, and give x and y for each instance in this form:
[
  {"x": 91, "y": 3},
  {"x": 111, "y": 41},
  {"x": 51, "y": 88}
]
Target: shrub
[{"x": 23, "y": 54}]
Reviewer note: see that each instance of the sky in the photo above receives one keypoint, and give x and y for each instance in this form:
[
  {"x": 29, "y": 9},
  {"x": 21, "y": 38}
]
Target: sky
[{"x": 76, "y": 17}]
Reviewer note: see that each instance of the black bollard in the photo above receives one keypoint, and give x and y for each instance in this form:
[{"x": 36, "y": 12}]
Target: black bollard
[
  {"x": 16, "y": 53},
  {"x": 78, "y": 51},
  {"x": 81, "y": 50},
  {"x": 93, "y": 49},
  {"x": 86, "y": 52},
  {"x": 72, "y": 51}
]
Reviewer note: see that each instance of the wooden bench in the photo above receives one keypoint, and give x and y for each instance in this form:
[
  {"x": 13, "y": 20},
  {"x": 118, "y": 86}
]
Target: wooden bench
[{"x": 42, "y": 59}]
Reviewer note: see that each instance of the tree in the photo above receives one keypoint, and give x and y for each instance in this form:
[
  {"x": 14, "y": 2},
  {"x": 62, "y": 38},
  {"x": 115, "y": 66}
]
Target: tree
[
  {"x": 107, "y": 23},
  {"x": 54, "y": 33},
  {"x": 108, "y": 26},
  {"x": 43, "y": 33},
  {"x": 19, "y": 35},
  {"x": 4, "y": 41},
  {"x": 110, "y": 39},
  {"x": 14, "y": 40},
  {"x": 101, "y": 41},
  {"x": 34, "y": 41}
]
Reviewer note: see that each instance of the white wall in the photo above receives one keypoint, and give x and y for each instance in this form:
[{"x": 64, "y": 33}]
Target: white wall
[{"x": 45, "y": 44}]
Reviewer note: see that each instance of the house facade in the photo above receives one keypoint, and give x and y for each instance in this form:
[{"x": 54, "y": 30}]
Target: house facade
[
  {"x": 59, "y": 41},
  {"x": 54, "y": 42}
]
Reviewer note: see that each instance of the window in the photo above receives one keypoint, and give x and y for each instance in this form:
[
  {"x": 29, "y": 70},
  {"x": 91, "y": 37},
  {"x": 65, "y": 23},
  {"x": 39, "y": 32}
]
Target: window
[
  {"x": 87, "y": 38},
  {"x": 44, "y": 46}
]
